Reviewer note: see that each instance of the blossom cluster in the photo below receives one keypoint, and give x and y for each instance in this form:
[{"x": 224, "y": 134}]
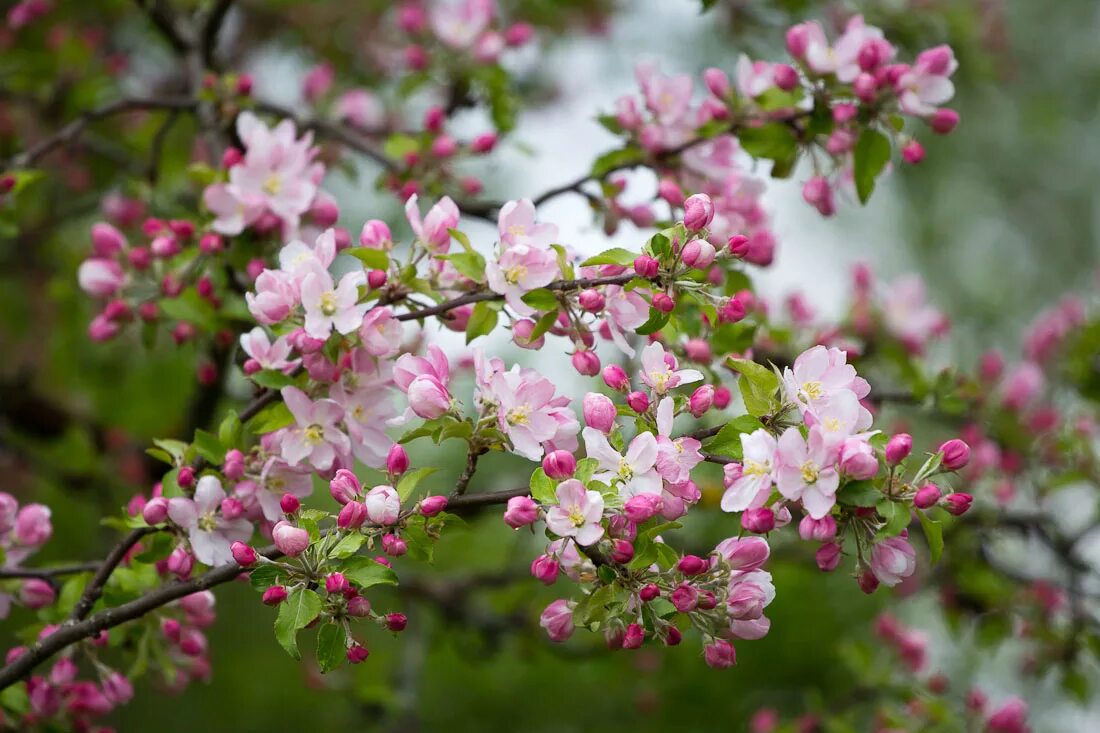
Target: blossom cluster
[{"x": 23, "y": 531}]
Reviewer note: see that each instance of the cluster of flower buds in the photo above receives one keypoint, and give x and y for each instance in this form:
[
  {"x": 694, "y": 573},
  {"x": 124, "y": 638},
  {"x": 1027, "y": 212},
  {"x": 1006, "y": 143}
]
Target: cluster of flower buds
[
  {"x": 23, "y": 531},
  {"x": 463, "y": 30}
]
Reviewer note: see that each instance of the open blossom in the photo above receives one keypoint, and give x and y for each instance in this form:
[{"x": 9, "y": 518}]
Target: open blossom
[
  {"x": 908, "y": 315},
  {"x": 636, "y": 470},
  {"x": 661, "y": 371},
  {"x": 366, "y": 412},
  {"x": 518, "y": 270},
  {"x": 316, "y": 436},
  {"x": 675, "y": 458},
  {"x": 625, "y": 311},
  {"x": 893, "y": 559},
  {"x": 524, "y": 410},
  {"x": 277, "y": 479},
  {"x": 754, "y": 77},
  {"x": 926, "y": 85},
  {"x": 458, "y": 23},
  {"x": 268, "y": 355},
  {"x": 298, "y": 258},
  {"x": 433, "y": 229},
  {"x": 332, "y": 307},
  {"x": 578, "y": 513},
  {"x": 209, "y": 533},
  {"x": 275, "y": 296},
  {"x": 806, "y": 471},
  {"x": 381, "y": 332},
  {"x": 820, "y": 373},
  {"x": 517, "y": 225},
  {"x": 750, "y": 487},
  {"x": 100, "y": 277}
]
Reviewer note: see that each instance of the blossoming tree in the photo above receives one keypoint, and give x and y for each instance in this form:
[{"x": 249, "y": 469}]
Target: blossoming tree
[{"x": 336, "y": 355}]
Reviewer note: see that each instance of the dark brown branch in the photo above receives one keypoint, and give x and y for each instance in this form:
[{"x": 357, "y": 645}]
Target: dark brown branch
[
  {"x": 208, "y": 39},
  {"x": 99, "y": 581},
  {"x": 50, "y": 575}
]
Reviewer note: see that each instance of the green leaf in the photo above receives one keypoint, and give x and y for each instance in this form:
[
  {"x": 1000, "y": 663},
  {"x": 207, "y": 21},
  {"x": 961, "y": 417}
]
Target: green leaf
[
  {"x": 613, "y": 256},
  {"x": 933, "y": 533},
  {"x": 272, "y": 379},
  {"x": 541, "y": 299},
  {"x": 295, "y": 613},
  {"x": 482, "y": 321},
  {"x": 462, "y": 239},
  {"x": 774, "y": 141},
  {"x": 468, "y": 264},
  {"x": 408, "y": 483},
  {"x": 331, "y": 647},
  {"x": 543, "y": 487},
  {"x": 858, "y": 493},
  {"x": 585, "y": 468},
  {"x": 229, "y": 432},
  {"x": 175, "y": 448},
  {"x": 929, "y": 467},
  {"x": 657, "y": 321},
  {"x": 645, "y": 554},
  {"x": 365, "y": 572},
  {"x": 758, "y": 385},
  {"x": 209, "y": 447},
  {"x": 611, "y": 124},
  {"x": 728, "y": 440},
  {"x": 544, "y": 324},
  {"x": 399, "y": 145},
  {"x": 372, "y": 259},
  {"x": 263, "y": 577},
  {"x": 614, "y": 160},
  {"x": 871, "y": 154},
  {"x": 271, "y": 418},
  {"x": 896, "y": 514},
  {"x": 191, "y": 307},
  {"x": 348, "y": 545}
]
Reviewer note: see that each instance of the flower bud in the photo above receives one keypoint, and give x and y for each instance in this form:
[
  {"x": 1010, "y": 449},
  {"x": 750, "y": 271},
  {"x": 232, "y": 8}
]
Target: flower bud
[
  {"x": 698, "y": 212},
  {"x": 522, "y": 330},
  {"x": 394, "y": 546},
  {"x": 545, "y": 568},
  {"x": 180, "y": 562},
  {"x": 638, "y": 401},
  {"x": 701, "y": 400},
  {"x": 622, "y": 551},
  {"x": 641, "y": 507},
  {"x": 483, "y": 143},
  {"x": 615, "y": 377},
  {"x": 357, "y": 654},
  {"x": 586, "y": 363},
  {"x": 670, "y": 191},
  {"x": 274, "y": 595},
  {"x": 289, "y": 503},
  {"x": 912, "y": 152},
  {"x": 520, "y": 512},
  {"x": 646, "y": 266},
  {"x": 36, "y": 593},
  {"x": 352, "y": 516},
  {"x": 599, "y": 412},
  {"x": 828, "y": 557},
  {"x": 957, "y": 503},
  {"x": 107, "y": 241},
  {"x": 634, "y": 636},
  {"x": 649, "y": 592},
  {"x": 396, "y": 621},
  {"x": 383, "y": 505},
  {"x": 785, "y": 77},
  {"x": 344, "y": 486},
  {"x": 397, "y": 460},
  {"x": 943, "y": 121},
  {"x": 185, "y": 477},
  {"x": 290, "y": 540},
  {"x": 818, "y": 193},
  {"x": 358, "y": 606},
  {"x": 692, "y": 565},
  {"x": 116, "y": 688},
  {"x": 591, "y": 300},
  {"x": 557, "y": 619},
  {"x": 684, "y": 598},
  {"x": 244, "y": 555},
  {"x": 155, "y": 510},
  {"x": 559, "y": 464},
  {"x": 432, "y": 505},
  {"x": 698, "y": 253},
  {"x": 732, "y": 311},
  {"x": 927, "y": 496},
  {"x": 718, "y": 83},
  {"x": 760, "y": 521},
  {"x": 868, "y": 583},
  {"x": 798, "y": 39},
  {"x": 956, "y": 454},
  {"x": 664, "y": 302},
  {"x": 820, "y": 530},
  {"x": 336, "y": 583},
  {"x": 720, "y": 654},
  {"x": 898, "y": 448},
  {"x": 738, "y": 245}
]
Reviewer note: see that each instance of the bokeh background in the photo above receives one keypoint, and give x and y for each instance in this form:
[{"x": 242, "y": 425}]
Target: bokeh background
[{"x": 1000, "y": 219}]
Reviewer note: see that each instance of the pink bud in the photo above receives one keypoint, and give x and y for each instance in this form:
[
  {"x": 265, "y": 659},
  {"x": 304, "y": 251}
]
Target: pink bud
[
  {"x": 444, "y": 146},
  {"x": 634, "y": 636},
  {"x": 684, "y": 598},
  {"x": 290, "y": 540},
  {"x": 336, "y": 583},
  {"x": 591, "y": 300},
  {"x": 614, "y": 376},
  {"x": 358, "y": 606},
  {"x": 759, "y": 520},
  {"x": 483, "y": 143},
  {"x": 155, "y": 510},
  {"x": 36, "y": 593},
  {"x": 185, "y": 477},
  {"x": 344, "y": 486},
  {"x": 701, "y": 400},
  {"x": 357, "y": 654},
  {"x": 545, "y": 568},
  {"x": 944, "y": 121},
  {"x": 798, "y": 39},
  {"x": 818, "y": 193},
  {"x": 289, "y": 503},
  {"x": 586, "y": 363},
  {"x": 376, "y": 279},
  {"x": 898, "y": 448},
  {"x": 622, "y": 551},
  {"x": 243, "y": 554},
  {"x": 828, "y": 557},
  {"x": 957, "y": 503},
  {"x": 692, "y": 565},
  {"x": 106, "y": 240},
  {"x": 394, "y": 546},
  {"x": 520, "y": 512},
  {"x": 559, "y": 464},
  {"x": 522, "y": 330},
  {"x": 649, "y": 592},
  {"x": 866, "y": 87},
  {"x": 641, "y": 507},
  {"x": 180, "y": 562},
  {"x": 718, "y": 83},
  {"x": 913, "y": 152},
  {"x": 397, "y": 460},
  {"x": 732, "y": 311},
  {"x": 698, "y": 253},
  {"x": 927, "y": 496},
  {"x": 785, "y": 77},
  {"x": 820, "y": 530},
  {"x": 1011, "y": 717},
  {"x": 738, "y": 245},
  {"x": 720, "y": 654},
  {"x": 396, "y": 621},
  {"x": 722, "y": 397},
  {"x": 664, "y": 302},
  {"x": 599, "y": 412},
  {"x": 646, "y": 266},
  {"x": 670, "y": 191},
  {"x": 433, "y": 505},
  {"x": 956, "y": 454},
  {"x": 376, "y": 235},
  {"x": 233, "y": 467},
  {"x": 557, "y": 620},
  {"x": 698, "y": 212},
  {"x": 638, "y": 401},
  {"x": 868, "y": 583}
]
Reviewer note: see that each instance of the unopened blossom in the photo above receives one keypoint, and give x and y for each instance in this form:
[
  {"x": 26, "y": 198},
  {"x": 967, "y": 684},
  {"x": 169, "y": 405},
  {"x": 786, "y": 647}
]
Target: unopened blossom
[
  {"x": 100, "y": 277},
  {"x": 383, "y": 505},
  {"x": 744, "y": 554},
  {"x": 892, "y": 560},
  {"x": 268, "y": 354},
  {"x": 806, "y": 470},
  {"x": 425, "y": 379},
  {"x": 274, "y": 297},
  {"x": 748, "y": 595},
  {"x": 381, "y": 332},
  {"x": 661, "y": 371},
  {"x": 330, "y": 307},
  {"x": 519, "y": 270},
  {"x": 753, "y": 482},
  {"x": 635, "y": 471},
  {"x": 578, "y": 513},
  {"x": 432, "y": 230},
  {"x": 316, "y": 435},
  {"x": 360, "y": 108},
  {"x": 557, "y": 620},
  {"x": 210, "y": 534}
]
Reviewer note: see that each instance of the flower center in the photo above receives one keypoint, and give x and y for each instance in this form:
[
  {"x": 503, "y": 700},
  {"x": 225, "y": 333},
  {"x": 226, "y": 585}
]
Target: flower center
[
  {"x": 315, "y": 434},
  {"x": 575, "y": 516},
  {"x": 515, "y": 273},
  {"x": 273, "y": 184},
  {"x": 832, "y": 424},
  {"x": 756, "y": 468},
  {"x": 520, "y": 415},
  {"x": 809, "y": 472},
  {"x": 626, "y": 471},
  {"x": 813, "y": 390},
  {"x": 328, "y": 302},
  {"x": 516, "y": 230},
  {"x": 207, "y": 522}
]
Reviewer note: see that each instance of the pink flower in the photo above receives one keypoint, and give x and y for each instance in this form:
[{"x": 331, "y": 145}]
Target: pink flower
[
  {"x": 525, "y": 412},
  {"x": 425, "y": 379},
  {"x": 744, "y": 554},
  {"x": 517, "y": 226},
  {"x": 366, "y": 412},
  {"x": 360, "y": 108},
  {"x": 625, "y": 311},
  {"x": 381, "y": 332},
  {"x": 276, "y": 295},
  {"x": 330, "y": 308},
  {"x": 675, "y": 458},
  {"x": 100, "y": 277},
  {"x": 433, "y": 230},
  {"x": 268, "y": 355},
  {"x": 233, "y": 210},
  {"x": 754, "y": 77},
  {"x": 298, "y": 258},
  {"x": 818, "y": 375},
  {"x": 557, "y": 619},
  {"x": 1011, "y": 717},
  {"x": 908, "y": 316},
  {"x": 806, "y": 471},
  {"x": 458, "y": 23},
  {"x": 520, "y": 512},
  {"x": 749, "y": 487},
  {"x": 578, "y": 513},
  {"x": 317, "y": 435},
  {"x": 893, "y": 559},
  {"x": 210, "y": 535},
  {"x": 383, "y": 505},
  {"x": 1021, "y": 386},
  {"x": 660, "y": 370},
  {"x": 289, "y": 540},
  {"x": 518, "y": 270},
  {"x": 634, "y": 472},
  {"x": 925, "y": 86}
]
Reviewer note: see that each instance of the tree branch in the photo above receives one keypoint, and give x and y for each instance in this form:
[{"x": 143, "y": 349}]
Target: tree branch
[{"x": 95, "y": 588}]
